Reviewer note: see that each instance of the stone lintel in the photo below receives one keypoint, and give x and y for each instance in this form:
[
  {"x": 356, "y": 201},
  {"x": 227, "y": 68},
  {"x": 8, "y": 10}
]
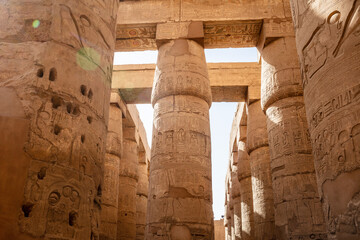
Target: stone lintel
[
  {"x": 160, "y": 11},
  {"x": 230, "y": 82},
  {"x": 218, "y": 34},
  {"x": 273, "y": 29},
  {"x": 179, "y": 30}
]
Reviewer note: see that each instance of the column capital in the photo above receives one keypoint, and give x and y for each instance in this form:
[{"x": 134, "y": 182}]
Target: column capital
[{"x": 180, "y": 30}]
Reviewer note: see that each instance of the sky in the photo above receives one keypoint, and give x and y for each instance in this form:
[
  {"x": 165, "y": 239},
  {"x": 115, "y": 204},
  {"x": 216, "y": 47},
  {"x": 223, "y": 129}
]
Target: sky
[{"x": 221, "y": 115}]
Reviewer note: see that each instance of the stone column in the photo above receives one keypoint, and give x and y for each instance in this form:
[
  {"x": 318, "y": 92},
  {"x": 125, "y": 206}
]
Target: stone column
[
  {"x": 55, "y": 76},
  {"x": 297, "y": 205},
  {"x": 180, "y": 197},
  {"x": 110, "y": 190},
  {"x": 142, "y": 196},
  {"x": 228, "y": 214},
  {"x": 235, "y": 195},
  {"x": 226, "y": 222},
  {"x": 327, "y": 39},
  {"x": 231, "y": 209},
  {"x": 236, "y": 203},
  {"x": 128, "y": 178},
  {"x": 258, "y": 150},
  {"x": 244, "y": 177}
]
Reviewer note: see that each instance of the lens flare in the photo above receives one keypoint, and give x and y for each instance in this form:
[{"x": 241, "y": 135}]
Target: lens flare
[
  {"x": 36, "y": 23},
  {"x": 88, "y": 58}
]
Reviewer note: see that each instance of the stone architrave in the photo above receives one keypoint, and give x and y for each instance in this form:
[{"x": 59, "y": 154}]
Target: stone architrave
[
  {"x": 328, "y": 45},
  {"x": 297, "y": 204},
  {"x": 142, "y": 196},
  {"x": 55, "y": 76},
  {"x": 110, "y": 188},
  {"x": 180, "y": 196},
  {"x": 258, "y": 149},
  {"x": 128, "y": 178}
]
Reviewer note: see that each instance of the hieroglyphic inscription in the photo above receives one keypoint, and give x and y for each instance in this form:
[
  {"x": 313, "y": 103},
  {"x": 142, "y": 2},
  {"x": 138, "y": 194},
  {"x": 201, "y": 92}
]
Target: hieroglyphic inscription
[
  {"x": 334, "y": 104},
  {"x": 328, "y": 38},
  {"x": 231, "y": 34},
  {"x": 135, "y": 37}
]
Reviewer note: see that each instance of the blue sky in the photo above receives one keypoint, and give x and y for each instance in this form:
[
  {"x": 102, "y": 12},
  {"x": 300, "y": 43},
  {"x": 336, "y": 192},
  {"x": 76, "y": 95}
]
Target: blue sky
[{"x": 221, "y": 114}]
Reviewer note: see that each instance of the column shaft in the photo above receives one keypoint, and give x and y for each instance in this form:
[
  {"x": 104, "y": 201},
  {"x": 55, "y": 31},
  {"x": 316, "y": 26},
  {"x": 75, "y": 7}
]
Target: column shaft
[
  {"x": 258, "y": 149},
  {"x": 141, "y": 197},
  {"x": 236, "y": 199},
  {"x": 128, "y": 177},
  {"x": 180, "y": 198},
  {"x": 296, "y": 199},
  {"x": 55, "y": 76},
  {"x": 244, "y": 176},
  {"x": 110, "y": 189},
  {"x": 327, "y": 39}
]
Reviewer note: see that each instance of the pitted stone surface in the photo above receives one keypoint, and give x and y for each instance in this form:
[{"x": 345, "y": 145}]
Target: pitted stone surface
[{"x": 56, "y": 88}]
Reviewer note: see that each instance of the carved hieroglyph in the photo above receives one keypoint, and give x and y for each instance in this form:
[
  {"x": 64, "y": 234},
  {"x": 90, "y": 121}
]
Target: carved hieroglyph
[
  {"x": 110, "y": 188},
  {"x": 55, "y": 72},
  {"x": 128, "y": 178},
  {"x": 180, "y": 198},
  {"x": 328, "y": 44},
  {"x": 298, "y": 212},
  {"x": 258, "y": 150}
]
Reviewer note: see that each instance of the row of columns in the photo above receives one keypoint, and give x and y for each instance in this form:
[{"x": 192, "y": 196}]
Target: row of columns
[
  {"x": 301, "y": 136},
  {"x": 54, "y": 118},
  {"x": 125, "y": 188}
]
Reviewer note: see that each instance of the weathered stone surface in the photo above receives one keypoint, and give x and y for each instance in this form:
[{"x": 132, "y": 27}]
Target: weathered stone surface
[
  {"x": 327, "y": 37},
  {"x": 296, "y": 199},
  {"x": 180, "y": 197},
  {"x": 258, "y": 150},
  {"x": 54, "y": 101}
]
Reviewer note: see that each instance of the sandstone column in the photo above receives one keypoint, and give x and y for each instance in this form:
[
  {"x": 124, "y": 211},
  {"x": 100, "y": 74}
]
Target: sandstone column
[
  {"x": 180, "y": 197},
  {"x": 297, "y": 205},
  {"x": 227, "y": 216},
  {"x": 244, "y": 177},
  {"x": 142, "y": 196},
  {"x": 110, "y": 190},
  {"x": 55, "y": 75},
  {"x": 327, "y": 37},
  {"x": 258, "y": 150},
  {"x": 235, "y": 195},
  {"x": 128, "y": 177}
]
